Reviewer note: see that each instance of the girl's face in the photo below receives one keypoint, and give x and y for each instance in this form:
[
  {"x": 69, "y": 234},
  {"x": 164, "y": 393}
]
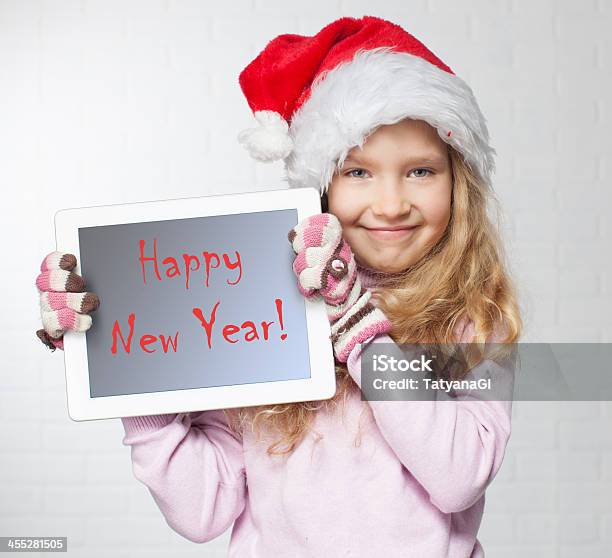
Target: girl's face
[{"x": 393, "y": 196}]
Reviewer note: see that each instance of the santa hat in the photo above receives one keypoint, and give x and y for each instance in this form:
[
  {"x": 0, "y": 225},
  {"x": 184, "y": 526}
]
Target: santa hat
[{"x": 316, "y": 98}]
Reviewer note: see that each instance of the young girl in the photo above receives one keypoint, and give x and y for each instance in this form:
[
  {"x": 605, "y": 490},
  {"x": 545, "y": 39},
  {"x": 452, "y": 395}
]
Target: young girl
[{"x": 404, "y": 252}]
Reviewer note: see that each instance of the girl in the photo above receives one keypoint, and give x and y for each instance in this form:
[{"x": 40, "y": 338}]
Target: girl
[{"x": 404, "y": 252}]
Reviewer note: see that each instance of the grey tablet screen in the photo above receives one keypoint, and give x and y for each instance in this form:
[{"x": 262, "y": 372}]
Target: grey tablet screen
[{"x": 162, "y": 328}]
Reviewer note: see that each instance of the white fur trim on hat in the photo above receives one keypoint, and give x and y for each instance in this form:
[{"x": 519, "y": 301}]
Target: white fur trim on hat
[
  {"x": 377, "y": 87},
  {"x": 270, "y": 140}
]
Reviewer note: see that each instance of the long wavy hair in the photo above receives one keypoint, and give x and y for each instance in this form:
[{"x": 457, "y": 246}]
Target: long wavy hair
[{"x": 472, "y": 284}]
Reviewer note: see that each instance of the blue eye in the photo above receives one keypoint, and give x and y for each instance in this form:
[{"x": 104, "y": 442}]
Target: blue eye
[
  {"x": 354, "y": 170},
  {"x": 425, "y": 175}
]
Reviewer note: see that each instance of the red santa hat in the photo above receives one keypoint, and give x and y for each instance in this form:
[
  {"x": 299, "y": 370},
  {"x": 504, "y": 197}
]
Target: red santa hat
[{"x": 316, "y": 98}]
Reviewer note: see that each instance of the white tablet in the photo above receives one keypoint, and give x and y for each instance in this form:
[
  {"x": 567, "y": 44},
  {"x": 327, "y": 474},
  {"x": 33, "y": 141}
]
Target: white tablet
[{"x": 199, "y": 307}]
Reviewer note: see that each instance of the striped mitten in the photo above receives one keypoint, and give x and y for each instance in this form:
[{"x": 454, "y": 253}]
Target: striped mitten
[
  {"x": 325, "y": 266},
  {"x": 64, "y": 304}
]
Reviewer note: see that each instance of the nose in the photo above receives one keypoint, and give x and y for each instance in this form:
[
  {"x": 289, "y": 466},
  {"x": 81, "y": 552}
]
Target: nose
[{"x": 391, "y": 199}]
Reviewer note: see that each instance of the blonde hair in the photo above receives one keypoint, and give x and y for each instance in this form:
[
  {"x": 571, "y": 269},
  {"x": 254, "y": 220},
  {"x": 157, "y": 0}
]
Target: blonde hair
[{"x": 472, "y": 283}]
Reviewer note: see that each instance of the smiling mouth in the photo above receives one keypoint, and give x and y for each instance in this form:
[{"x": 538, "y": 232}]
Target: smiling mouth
[{"x": 391, "y": 234}]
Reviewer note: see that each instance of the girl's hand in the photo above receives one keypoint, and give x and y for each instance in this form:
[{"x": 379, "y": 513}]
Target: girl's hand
[
  {"x": 325, "y": 266},
  {"x": 64, "y": 304}
]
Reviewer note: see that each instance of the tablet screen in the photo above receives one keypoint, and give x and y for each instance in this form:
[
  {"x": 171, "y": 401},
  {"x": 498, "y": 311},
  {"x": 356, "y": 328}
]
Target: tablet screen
[{"x": 193, "y": 303}]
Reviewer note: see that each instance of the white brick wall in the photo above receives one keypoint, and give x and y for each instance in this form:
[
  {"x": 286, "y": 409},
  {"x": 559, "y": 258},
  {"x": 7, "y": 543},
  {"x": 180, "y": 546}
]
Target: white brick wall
[{"x": 107, "y": 101}]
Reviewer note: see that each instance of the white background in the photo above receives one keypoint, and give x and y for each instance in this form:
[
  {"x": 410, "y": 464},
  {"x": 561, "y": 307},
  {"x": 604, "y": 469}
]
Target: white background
[{"x": 107, "y": 101}]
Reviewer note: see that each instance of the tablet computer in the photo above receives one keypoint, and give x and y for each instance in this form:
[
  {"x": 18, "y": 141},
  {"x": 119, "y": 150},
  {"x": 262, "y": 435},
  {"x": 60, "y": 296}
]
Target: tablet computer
[{"x": 199, "y": 307}]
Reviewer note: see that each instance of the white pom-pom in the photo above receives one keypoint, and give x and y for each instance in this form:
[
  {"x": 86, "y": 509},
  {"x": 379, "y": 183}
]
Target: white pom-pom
[{"x": 270, "y": 141}]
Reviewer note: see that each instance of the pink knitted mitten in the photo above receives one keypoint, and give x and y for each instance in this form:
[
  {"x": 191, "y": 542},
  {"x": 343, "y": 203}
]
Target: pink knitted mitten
[
  {"x": 63, "y": 301},
  {"x": 325, "y": 265}
]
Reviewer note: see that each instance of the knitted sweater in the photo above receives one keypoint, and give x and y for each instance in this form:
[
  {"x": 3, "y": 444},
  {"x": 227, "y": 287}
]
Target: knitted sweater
[{"x": 384, "y": 479}]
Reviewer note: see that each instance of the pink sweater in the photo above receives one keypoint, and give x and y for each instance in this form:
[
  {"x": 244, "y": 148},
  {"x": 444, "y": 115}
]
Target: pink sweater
[{"x": 412, "y": 484}]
